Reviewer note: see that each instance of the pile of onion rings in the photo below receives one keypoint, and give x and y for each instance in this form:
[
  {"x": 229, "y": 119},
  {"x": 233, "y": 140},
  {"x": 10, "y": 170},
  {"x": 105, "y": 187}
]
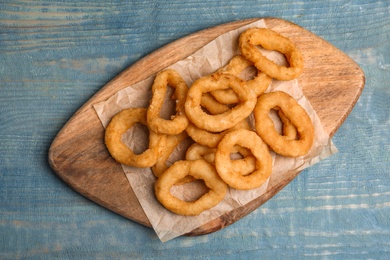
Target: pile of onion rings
[{"x": 213, "y": 114}]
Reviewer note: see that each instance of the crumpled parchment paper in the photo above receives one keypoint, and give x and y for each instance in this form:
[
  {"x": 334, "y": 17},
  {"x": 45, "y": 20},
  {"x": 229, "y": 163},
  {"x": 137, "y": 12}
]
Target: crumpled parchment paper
[{"x": 207, "y": 60}]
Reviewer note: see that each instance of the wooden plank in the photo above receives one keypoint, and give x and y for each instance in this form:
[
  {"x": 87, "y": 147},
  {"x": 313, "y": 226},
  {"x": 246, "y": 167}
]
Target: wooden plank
[{"x": 331, "y": 81}]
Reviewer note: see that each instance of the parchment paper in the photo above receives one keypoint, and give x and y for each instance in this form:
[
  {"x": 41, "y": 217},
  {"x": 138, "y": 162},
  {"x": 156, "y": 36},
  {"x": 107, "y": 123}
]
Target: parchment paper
[{"x": 211, "y": 57}]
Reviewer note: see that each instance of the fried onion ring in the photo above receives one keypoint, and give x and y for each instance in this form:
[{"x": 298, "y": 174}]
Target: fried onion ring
[
  {"x": 172, "y": 141},
  {"x": 298, "y": 117},
  {"x": 271, "y": 40},
  {"x": 209, "y": 103},
  {"x": 288, "y": 129},
  {"x": 207, "y": 138},
  {"x": 245, "y": 166},
  {"x": 199, "y": 169},
  {"x": 159, "y": 88},
  {"x": 198, "y": 152},
  {"x": 223, "y": 163},
  {"x": 225, "y": 120},
  {"x": 118, "y": 125},
  {"x": 211, "y": 139},
  {"x": 236, "y": 66}
]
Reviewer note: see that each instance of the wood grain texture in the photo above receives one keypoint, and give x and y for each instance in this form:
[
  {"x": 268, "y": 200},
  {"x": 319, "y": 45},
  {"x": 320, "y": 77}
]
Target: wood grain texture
[{"x": 331, "y": 81}]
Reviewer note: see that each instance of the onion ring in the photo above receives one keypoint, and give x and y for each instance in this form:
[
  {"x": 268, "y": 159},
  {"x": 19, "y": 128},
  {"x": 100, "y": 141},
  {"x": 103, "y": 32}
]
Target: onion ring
[
  {"x": 207, "y": 138},
  {"x": 295, "y": 113},
  {"x": 200, "y": 152},
  {"x": 245, "y": 166},
  {"x": 271, "y": 40},
  {"x": 159, "y": 88},
  {"x": 199, "y": 169},
  {"x": 211, "y": 139},
  {"x": 223, "y": 121},
  {"x": 260, "y": 151},
  {"x": 236, "y": 66},
  {"x": 118, "y": 125},
  {"x": 288, "y": 129},
  {"x": 209, "y": 103},
  {"x": 172, "y": 141}
]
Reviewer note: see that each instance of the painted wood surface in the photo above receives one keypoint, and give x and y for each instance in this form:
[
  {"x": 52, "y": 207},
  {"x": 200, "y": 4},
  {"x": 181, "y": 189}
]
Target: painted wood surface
[{"x": 55, "y": 55}]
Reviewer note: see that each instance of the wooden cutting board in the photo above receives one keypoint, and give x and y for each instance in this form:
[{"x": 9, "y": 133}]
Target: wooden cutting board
[{"x": 331, "y": 81}]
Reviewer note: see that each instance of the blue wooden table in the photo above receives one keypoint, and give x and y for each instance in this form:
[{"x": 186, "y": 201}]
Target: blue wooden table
[{"x": 54, "y": 55}]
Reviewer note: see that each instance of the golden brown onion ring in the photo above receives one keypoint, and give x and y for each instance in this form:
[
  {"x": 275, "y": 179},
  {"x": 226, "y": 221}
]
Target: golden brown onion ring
[
  {"x": 298, "y": 117},
  {"x": 245, "y": 166},
  {"x": 118, "y": 125},
  {"x": 159, "y": 88},
  {"x": 271, "y": 40},
  {"x": 209, "y": 103},
  {"x": 236, "y": 66},
  {"x": 225, "y": 120},
  {"x": 211, "y": 139},
  {"x": 200, "y": 152},
  {"x": 288, "y": 129},
  {"x": 171, "y": 142},
  {"x": 199, "y": 169},
  {"x": 223, "y": 163}
]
